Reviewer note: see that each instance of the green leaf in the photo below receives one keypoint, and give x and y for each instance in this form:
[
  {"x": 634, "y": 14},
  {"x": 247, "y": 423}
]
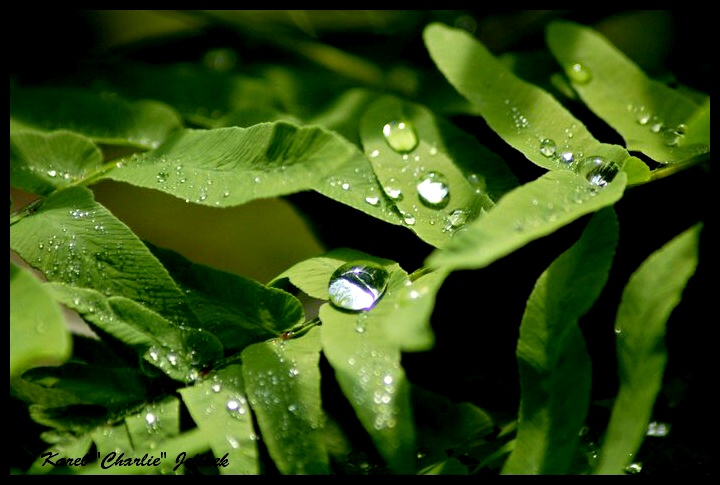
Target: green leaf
[
  {"x": 403, "y": 311},
  {"x": 648, "y": 299},
  {"x": 230, "y": 166},
  {"x": 282, "y": 381},
  {"x": 218, "y": 405},
  {"x": 43, "y": 162},
  {"x": 554, "y": 366},
  {"x": 474, "y": 176},
  {"x": 237, "y": 310},
  {"x": 73, "y": 239},
  {"x": 529, "y": 212},
  {"x": 151, "y": 426},
  {"x": 38, "y": 332},
  {"x": 367, "y": 367},
  {"x": 523, "y": 114},
  {"x": 647, "y": 113},
  {"x": 104, "y": 119},
  {"x": 179, "y": 351}
]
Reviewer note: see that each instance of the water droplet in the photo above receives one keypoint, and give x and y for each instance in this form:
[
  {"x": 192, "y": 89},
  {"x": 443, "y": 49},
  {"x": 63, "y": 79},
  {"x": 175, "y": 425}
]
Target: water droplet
[
  {"x": 579, "y": 73},
  {"x": 375, "y": 153},
  {"x": 671, "y": 137},
  {"x": 345, "y": 186},
  {"x": 633, "y": 468},
  {"x": 401, "y": 136},
  {"x": 150, "y": 419},
  {"x": 357, "y": 285},
  {"x": 408, "y": 218},
  {"x": 433, "y": 190},
  {"x": 293, "y": 371},
  {"x": 547, "y": 147},
  {"x": 657, "y": 429},
  {"x": 456, "y": 219},
  {"x": 597, "y": 170},
  {"x": 162, "y": 177},
  {"x": 52, "y": 173},
  {"x": 641, "y": 115},
  {"x": 392, "y": 189}
]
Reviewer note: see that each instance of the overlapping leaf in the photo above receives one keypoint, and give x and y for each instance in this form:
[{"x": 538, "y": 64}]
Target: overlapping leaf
[
  {"x": 43, "y": 162},
  {"x": 554, "y": 365},
  {"x": 218, "y": 405},
  {"x": 439, "y": 158},
  {"x": 651, "y": 116},
  {"x": 230, "y": 166},
  {"x": 179, "y": 351},
  {"x": 237, "y": 310},
  {"x": 524, "y": 115},
  {"x": 73, "y": 239},
  {"x": 529, "y": 212},
  {"x": 282, "y": 381}
]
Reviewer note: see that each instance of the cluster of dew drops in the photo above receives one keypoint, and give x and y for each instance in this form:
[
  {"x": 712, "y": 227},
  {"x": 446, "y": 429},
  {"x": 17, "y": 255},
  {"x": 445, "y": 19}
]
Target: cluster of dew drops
[{"x": 432, "y": 186}]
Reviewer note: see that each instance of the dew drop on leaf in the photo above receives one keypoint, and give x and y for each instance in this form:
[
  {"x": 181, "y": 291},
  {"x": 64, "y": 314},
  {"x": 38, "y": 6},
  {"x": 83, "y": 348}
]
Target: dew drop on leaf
[
  {"x": 597, "y": 170},
  {"x": 433, "y": 190},
  {"x": 392, "y": 189},
  {"x": 357, "y": 286},
  {"x": 579, "y": 73},
  {"x": 547, "y": 147},
  {"x": 401, "y": 136}
]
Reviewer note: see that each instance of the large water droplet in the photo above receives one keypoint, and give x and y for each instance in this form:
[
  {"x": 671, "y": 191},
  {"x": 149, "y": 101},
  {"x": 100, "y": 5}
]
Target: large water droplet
[
  {"x": 597, "y": 170},
  {"x": 433, "y": 190},
  {"x": 578, "y": 73},
  {"x": 357, "y": 286},
  {"x": 547, "y": 147},
  {"x": 401, "y": 136}
]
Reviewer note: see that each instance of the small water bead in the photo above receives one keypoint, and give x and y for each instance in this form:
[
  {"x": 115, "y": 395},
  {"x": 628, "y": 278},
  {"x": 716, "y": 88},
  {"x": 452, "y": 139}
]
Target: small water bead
[
  {"x": 358, "y": 285},
  {"x": 633, "y": 468},
  {"x": 547, "y": 147},
  {"x": 597, "y": 170},
  {"x": 456, "y": 219},
  {"x": 433, "y": 190},
  {"x": 401, "y": 136},
  {"x": 392, "y": 189},
  {"x": 657, "y": 429},
  {"x": 579, "y": 73},
  {"x": 408, "y": 218}
]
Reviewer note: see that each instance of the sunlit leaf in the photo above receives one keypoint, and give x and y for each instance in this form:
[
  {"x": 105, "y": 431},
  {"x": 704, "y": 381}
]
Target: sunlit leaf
[
  {"x": 529, "y": 212},
  {"x": 43, "y": 162},
  {"x": 651, "y": 116},
  {"x": 367, "y": 367},
  {"x": 230, "y": 166},
  {"x": 75, "y": 240},
  {"x": 554, "y": 365},
  {"x": 437, "y": 176},
  {"x": 218, "y": 405},
  {"x": 524, "y": 115}
]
